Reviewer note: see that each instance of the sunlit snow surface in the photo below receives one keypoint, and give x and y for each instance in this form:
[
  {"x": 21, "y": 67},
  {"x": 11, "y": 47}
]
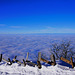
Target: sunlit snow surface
[{"x": 15, "y": 69}]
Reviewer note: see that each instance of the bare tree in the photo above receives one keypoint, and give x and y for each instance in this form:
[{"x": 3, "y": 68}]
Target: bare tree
[{"x": 63, "y": 49}]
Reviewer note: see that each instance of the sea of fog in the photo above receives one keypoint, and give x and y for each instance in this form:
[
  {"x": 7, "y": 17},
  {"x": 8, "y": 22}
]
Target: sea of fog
[{"x": 20, "y": 44}]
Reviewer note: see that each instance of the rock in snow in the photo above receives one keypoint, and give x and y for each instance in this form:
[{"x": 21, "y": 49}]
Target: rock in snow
[{"x": 15, "y": 69}]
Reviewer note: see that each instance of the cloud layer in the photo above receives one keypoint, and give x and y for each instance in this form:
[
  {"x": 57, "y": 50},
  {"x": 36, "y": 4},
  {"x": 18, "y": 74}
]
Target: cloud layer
[
  {"x": 11, "y": 45},
  {"x": 57, "y": 30}
]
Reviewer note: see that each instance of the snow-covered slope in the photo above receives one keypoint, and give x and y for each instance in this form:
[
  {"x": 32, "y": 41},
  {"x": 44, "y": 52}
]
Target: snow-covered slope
[{"x": 15, "y": 69}]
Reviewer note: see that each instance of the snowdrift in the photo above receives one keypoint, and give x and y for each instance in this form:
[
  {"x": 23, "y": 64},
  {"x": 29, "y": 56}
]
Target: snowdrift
[{"x": 16, "y": 69}]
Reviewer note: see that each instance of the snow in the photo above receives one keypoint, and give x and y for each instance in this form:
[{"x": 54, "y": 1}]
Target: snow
[{"x": 15, "y": 69}]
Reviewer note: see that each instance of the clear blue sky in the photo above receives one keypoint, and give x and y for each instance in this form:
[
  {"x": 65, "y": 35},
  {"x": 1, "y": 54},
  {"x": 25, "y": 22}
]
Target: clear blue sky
[{"x": 37, "y": 16}]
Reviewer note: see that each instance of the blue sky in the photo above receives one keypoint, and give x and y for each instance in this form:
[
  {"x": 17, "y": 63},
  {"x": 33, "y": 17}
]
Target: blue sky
[{"x": 37, "y": 16}]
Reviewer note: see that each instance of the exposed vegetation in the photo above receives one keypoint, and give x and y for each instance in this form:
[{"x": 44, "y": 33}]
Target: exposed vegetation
[{"x": 63, "y": 49}]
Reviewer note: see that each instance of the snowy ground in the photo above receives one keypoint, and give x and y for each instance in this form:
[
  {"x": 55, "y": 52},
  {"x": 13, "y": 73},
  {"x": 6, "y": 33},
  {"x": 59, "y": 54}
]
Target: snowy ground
[{"x": 15, "y": 69}]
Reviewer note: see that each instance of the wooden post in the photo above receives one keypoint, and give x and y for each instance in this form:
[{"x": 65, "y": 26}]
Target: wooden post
[
  {"x": 5, "y": 60},
  {"x": 0, "y": 57},
  {"x": 53, "y": 62},
  {"x": 38, "y": 61},
  {"x": 67, "y": 61},
  {"x": 19, "y": 62},
  {"x": 72, "y": 62},
  {"x": 14, "y": 60},
  {"x": 27, "y": 56},
  {"x": 39, "y": 64},
  {"x": 9, "y": 61},
  {"x": 24, "y": 62},
  {"x": 30, "y": 63},
  {"x": 44, "y": 60},
  {"x": 39, "y": 56}
]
